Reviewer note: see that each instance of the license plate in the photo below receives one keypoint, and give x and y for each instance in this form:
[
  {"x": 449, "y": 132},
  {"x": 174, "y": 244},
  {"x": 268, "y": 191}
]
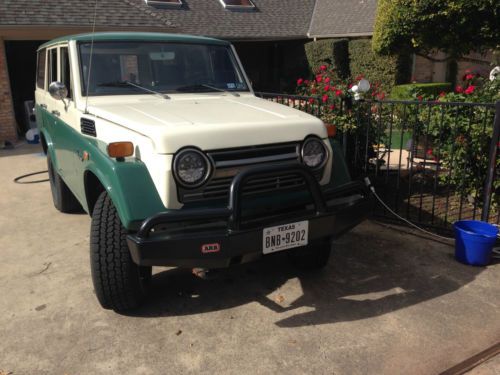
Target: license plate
[{"x": 286, "y": 236}]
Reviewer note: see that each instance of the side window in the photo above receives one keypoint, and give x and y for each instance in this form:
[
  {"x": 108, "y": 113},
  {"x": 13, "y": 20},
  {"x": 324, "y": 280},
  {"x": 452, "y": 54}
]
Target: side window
[
  {"x": 52, "y": 77},
  {"x": 40, "y": 72},
  {"x": 66, "y": 71}
]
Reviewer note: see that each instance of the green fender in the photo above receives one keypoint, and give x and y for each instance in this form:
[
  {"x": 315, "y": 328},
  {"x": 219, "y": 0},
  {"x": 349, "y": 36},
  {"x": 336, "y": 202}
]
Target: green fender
[
  {"x": 129, "y": 186},
  {"x": 340, "y": 172}
]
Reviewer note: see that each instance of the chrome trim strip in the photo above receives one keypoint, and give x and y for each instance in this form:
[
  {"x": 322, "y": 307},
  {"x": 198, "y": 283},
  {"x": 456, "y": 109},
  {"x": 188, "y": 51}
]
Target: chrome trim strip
[{"x": 262, "y": 159}]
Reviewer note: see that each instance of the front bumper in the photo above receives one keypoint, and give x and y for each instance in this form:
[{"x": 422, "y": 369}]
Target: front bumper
[{"x": 219, "y": 237}]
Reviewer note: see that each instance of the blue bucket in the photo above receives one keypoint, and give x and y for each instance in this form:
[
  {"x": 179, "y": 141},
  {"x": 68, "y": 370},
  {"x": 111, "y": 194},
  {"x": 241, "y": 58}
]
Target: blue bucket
[{"x": 474, "y": 241}]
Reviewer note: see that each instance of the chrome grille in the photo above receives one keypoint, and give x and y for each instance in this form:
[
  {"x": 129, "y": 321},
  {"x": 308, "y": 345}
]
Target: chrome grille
[{"x": 230, "y": 162}]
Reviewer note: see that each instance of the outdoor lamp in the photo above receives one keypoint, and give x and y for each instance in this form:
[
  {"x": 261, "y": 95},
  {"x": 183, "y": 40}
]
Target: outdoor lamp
[{"x": 359, "y": 89}]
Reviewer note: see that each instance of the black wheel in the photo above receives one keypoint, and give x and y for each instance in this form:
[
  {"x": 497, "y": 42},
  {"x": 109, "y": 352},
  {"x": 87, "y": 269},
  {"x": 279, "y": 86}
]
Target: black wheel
[
  {"x": 119, "y": 283},
  {"x": 312, "y": 257},
  {"x": 63, "y": 198}
]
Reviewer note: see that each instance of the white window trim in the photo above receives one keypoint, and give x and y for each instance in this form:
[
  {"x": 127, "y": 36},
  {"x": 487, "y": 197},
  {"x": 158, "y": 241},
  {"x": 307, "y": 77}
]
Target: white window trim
[{"x": 247, "y": 7}]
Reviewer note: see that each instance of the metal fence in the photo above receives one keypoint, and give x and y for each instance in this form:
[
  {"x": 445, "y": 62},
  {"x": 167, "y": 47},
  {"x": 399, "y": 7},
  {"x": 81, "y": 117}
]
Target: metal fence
[{"x": 431, "y": 162}]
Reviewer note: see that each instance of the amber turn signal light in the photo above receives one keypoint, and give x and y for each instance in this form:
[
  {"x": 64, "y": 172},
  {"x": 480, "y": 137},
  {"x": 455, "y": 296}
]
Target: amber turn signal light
[
  {"x": 331, "y": 129},
  {"x": 120, "y": 149}
]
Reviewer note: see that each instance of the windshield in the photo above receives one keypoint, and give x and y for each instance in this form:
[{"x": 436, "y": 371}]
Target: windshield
[{"x": 134, "y": 67}]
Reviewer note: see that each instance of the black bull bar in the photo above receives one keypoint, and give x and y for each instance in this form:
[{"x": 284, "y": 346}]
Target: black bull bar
[{"x": 334, "y": 212}]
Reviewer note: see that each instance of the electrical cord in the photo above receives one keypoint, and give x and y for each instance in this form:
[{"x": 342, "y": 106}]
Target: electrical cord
[
  {"x": 372, "y": 189},
  {"x": 17, "y": 180},
  {"x": 496, "y": 250}
]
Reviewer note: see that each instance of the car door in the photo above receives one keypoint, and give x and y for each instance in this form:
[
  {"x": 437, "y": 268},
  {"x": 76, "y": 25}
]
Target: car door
[{"x": 63, "y": 118}]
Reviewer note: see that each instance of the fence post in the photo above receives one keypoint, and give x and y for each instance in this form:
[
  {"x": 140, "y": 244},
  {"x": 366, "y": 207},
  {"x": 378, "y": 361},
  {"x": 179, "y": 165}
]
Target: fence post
[{"x": 492, "y": 164}]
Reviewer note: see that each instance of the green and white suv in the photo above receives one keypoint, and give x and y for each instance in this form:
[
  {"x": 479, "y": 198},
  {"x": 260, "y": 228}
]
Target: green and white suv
[{"x": 161, "y": 139}]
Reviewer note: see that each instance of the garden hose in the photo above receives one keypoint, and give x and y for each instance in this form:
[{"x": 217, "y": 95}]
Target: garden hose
[{"x": 17, "y": 180}]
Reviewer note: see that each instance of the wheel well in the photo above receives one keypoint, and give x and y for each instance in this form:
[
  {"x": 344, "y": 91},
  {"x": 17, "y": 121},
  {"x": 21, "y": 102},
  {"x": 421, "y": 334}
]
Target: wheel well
[
  {"x": 44, "y": 143},
  {"x": 93, "y": 188}
]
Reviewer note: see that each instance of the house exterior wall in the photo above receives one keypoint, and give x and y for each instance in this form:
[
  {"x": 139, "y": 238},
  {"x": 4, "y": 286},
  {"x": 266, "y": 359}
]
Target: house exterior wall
[
  {"x": 423, "y": 70},
  {"x": 477, "y": 63},
  {"x": 7, "y": 117},
  {"x": 426, "y": 70}
]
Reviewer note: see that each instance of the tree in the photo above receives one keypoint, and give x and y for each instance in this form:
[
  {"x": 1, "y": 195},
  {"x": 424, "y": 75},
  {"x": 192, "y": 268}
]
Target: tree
[{"x": 455, "y": 27}]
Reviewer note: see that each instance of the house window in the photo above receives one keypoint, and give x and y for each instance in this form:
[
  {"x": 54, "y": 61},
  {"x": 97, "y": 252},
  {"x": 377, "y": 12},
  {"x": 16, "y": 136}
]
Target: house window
[
  {"x": 165, "y": 3},
  {"x": 238, "y": 4}
]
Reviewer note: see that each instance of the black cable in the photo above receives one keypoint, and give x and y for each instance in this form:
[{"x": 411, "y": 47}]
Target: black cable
[{"x": 18, "y": 179}]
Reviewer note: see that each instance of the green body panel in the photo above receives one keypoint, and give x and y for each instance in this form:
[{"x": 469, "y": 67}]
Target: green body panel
[
  {"x": 340, "y": 172},
  {"x": 135, "y": 36},
  {"x": 128, "y": 183}
]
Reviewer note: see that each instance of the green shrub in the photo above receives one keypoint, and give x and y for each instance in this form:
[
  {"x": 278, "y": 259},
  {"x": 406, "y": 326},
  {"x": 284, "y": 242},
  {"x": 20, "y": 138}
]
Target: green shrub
[
  {"x": 319, "y": 53},
  {"x": 413, "y": 90},
  {"x": 352, "y": 58},
  {"x": 381, "y": 69}
]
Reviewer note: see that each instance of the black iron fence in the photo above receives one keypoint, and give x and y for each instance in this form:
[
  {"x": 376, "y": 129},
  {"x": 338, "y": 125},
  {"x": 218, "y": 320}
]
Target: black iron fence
[{"x": 431, "y": 162}]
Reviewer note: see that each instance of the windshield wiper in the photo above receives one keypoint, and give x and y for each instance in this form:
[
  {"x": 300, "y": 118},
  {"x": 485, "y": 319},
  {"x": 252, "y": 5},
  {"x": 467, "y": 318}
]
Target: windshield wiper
[
  {"x": 128, "y": 83},
  {"x": 201, "y": 85}
]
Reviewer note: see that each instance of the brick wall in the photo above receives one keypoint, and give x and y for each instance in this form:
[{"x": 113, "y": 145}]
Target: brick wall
[
  {"x": 424, "y": 69},
  {"x": 7, "y": 118}
]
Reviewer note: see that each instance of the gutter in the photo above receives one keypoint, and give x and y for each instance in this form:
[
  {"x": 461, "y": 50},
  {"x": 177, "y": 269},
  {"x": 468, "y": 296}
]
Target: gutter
[{"x": 340, "y": 35}]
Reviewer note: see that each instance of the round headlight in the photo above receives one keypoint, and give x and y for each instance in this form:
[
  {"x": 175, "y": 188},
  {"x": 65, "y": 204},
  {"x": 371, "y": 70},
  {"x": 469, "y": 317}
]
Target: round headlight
[
  {"x": 191, "y": 167},
  {"x": 314, "y": 153}
]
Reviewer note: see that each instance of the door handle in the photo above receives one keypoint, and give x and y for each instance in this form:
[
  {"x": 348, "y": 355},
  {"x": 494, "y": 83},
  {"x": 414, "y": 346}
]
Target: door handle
[
  {"x": 44, "y": 106},
  {"x": 56, "y": 113}
]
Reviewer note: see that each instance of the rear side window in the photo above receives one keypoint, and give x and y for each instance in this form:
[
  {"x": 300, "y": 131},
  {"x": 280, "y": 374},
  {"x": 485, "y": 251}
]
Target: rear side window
[
  {"x": 40, "y": 73},
  {"x": 65, "y": 71},
  {"x": 52, "y": 65}
]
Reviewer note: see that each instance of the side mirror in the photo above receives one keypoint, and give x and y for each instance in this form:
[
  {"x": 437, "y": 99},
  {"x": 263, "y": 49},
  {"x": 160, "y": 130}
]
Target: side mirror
[{"x": 58, "y": 91}]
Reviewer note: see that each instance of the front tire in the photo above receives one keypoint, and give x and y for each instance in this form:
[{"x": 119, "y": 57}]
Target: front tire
[
  {"x": 63, "y": 198},
  {"x": 315, "y": 256},
  {"x": 119, "y": 283}
]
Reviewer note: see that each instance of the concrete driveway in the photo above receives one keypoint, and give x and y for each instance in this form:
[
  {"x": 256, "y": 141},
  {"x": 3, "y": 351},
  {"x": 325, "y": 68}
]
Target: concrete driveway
[{"x": 388, "y": 303}]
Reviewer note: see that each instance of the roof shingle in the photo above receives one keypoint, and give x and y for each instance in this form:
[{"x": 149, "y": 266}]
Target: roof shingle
[
  {"x": 334, "y": 18},
  {"x": 272, "y": 19},
  {"x": 110, "y": 13}
]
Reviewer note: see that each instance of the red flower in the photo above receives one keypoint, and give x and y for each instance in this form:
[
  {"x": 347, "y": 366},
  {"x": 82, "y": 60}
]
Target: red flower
[
  {"x": 314, "y": 91},
  {"x": 311, "y": 100},
  {"x": 338, "y": 92},
  {"x": 420, "y": 98},
  {"x": 327, "y": 87},
  {"x": 470, "y": 89},
  {"x": 381, "y": 96},
  {"x": 306, "y": 82},
  {"x": 333, "y": 88},
  {"x": 469, "y": 77},
  {"x": 350, "y": 85},
  {"x": 323, "y": 67},
  {"x": 327, "y": 80},
  {"x": 300, "y": 81},
  {"x": 442, "y": 94},
  {"x": 429, "y": 152},
  {"x": 332, "y": 107},
  {"x": 459, "y": 89},
  {"x": 319, "y": 78},
  {"x": 325, "y": 98}
]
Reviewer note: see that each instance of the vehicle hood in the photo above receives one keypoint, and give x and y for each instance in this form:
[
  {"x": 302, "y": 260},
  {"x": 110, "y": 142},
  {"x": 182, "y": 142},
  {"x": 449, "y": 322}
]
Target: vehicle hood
[{"x": 208, "y": 122}]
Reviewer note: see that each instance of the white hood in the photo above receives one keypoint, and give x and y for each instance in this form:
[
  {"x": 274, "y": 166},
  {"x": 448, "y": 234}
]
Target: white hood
[{"x": 207, "y": 121}]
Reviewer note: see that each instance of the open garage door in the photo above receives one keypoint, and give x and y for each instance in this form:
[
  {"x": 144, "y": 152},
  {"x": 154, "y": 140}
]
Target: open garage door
[{"x": 21, "y": 63}]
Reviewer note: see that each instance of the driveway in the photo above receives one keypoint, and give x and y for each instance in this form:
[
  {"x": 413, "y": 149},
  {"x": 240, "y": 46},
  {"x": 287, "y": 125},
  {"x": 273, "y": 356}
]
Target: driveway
[{"x": 389, "y": 302}]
